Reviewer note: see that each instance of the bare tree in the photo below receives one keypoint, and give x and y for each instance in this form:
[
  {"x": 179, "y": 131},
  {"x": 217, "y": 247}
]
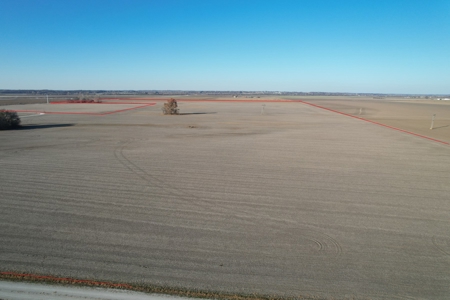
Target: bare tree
[
  {"x": 8, "y": 119},
  {"x": 171, "y": 107}
]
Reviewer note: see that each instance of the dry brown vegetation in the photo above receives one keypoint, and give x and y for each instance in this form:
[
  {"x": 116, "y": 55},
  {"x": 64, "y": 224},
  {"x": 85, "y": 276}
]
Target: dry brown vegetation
[
  {"x": 151, "y": 289},
  {"x": 171, "y": 107},
  {"x": 85, "y": 99},
  {"x": 9, "y": 119}
]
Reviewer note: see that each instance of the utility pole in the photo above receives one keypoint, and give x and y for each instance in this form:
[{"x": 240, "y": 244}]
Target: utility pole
[{"x": 432, "y": 121}]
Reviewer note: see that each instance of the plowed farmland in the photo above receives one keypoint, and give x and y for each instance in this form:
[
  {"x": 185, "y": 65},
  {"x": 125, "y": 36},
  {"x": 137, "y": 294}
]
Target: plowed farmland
[{"x": 284, "y": 199}]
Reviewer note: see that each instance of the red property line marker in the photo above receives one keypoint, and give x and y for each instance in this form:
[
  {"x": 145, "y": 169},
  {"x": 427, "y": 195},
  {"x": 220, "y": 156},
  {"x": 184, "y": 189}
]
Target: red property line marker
[
  {"x": 207, "y": 100},
  {"x": 236, "y": 101},
  {"x": 124, "y": 98},
  {"x": 376, "y": 123},
  {"x": 83, "y": 113},
  {"x": 66, "y": 280},
  {"x": 66, "y": 102}
]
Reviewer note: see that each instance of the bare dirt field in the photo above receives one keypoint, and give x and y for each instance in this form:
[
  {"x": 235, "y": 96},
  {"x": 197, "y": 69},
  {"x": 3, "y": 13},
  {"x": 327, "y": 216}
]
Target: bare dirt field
[
  {"x": 412, "y": 115},
  {"x": 295, "y": 201}
]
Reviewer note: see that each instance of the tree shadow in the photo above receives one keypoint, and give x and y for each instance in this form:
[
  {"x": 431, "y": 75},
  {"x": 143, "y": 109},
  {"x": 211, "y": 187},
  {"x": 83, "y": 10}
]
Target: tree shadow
[
  {"x": 197, "y": 113},
  {"x": 28, "y": 127}
]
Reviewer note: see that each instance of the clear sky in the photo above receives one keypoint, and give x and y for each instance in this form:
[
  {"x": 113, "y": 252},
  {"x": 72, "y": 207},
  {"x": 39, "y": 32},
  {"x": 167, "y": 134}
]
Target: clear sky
[{"x": 379, "y": 46}]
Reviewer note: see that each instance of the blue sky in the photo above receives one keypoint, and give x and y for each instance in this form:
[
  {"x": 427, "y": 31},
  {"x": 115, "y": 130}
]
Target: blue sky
[{"x": 304, "y": 45}]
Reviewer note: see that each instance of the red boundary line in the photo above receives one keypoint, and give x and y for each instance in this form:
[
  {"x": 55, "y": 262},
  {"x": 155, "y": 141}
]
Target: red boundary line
[
  {"x": 67, "y": 280},
  {"x": 84, "y": 113},
  {"x": 376, "y": 123},
  {"x": 236, "y": 101},
  {"x": 255, "y": 100},
  {"x": 67, "y": 102},
  {"x": 207, "y": 100},
  {"x": 134, "y": 98}
]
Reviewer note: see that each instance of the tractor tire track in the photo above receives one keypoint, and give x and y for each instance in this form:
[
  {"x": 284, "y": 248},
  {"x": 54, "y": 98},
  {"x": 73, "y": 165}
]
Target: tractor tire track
[
  {"x": 325, "y": 243},
  {"x": 441, "y": 244}
]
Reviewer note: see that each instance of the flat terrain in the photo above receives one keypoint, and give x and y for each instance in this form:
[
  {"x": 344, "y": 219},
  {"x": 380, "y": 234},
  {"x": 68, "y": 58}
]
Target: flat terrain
[
  {"x": 412, "y": 115},
  {"x": 296, "y": 201}
]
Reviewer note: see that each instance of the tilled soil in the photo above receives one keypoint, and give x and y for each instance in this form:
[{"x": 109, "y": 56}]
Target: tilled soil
[{"x": 290, "y": 201}]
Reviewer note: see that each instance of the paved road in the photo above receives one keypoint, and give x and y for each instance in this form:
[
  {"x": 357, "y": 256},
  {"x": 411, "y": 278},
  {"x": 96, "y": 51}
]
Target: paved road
[
  {"x": 33, "y": 291},
  {"x": 298, "y": 201}
]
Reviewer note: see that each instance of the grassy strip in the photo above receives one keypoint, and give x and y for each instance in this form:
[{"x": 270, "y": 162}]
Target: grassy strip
[{"x": 190, "y": 293}]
